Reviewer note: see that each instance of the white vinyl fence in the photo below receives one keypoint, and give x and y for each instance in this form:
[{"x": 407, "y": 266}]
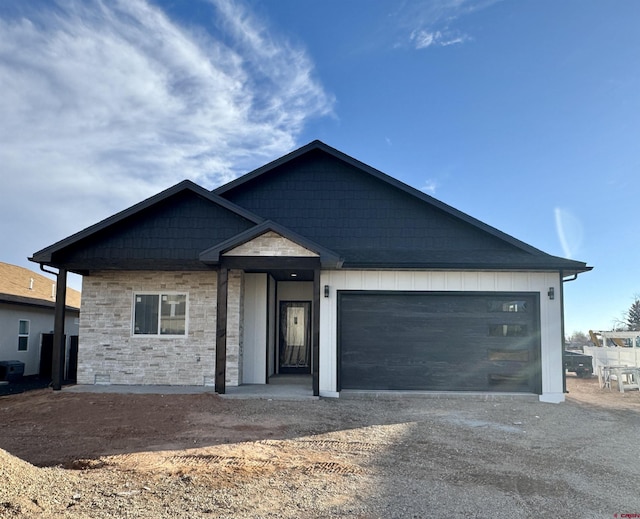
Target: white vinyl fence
[{"x": 613, "y": 356}]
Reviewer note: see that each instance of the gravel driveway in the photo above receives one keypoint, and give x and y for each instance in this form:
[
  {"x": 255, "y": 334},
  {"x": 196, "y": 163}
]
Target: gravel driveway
[{"x": 192, "y": 456}]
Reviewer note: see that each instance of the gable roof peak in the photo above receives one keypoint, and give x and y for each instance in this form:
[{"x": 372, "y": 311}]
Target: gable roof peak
[
  {"x": 313, "y": 145},
  {"x": 44, "y": 256},
  {"x": 327, "y": 257},
  {"x": 250, "y": 181}
]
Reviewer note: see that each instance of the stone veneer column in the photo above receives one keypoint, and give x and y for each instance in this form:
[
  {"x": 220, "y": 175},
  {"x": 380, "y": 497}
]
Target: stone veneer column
[{"x": 234, "y": 328}]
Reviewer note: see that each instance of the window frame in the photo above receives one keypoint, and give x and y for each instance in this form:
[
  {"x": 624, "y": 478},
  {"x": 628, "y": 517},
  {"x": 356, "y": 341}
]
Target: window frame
[
  {"x": 24, "y": 335},
  {"x": 158, "y": 333}
]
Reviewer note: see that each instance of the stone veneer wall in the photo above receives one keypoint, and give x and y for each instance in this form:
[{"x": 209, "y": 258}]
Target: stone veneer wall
[
  {"x": 108, "y": 353},
  {"x": 270, "y": 244}
]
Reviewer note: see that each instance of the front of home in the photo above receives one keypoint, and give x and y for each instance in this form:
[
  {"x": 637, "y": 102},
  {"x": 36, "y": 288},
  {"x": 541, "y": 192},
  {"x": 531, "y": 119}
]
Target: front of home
[{"x": 315, "y": 264}]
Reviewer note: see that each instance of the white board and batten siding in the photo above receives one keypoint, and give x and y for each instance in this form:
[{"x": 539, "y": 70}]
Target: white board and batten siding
[
  {"x": 255, "y": 326},
  {"x": 439, "y": 281},
  {"x": 254, "y": 329}
]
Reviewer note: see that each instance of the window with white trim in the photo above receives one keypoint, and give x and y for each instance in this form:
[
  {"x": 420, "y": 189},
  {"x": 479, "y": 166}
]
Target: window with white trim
[
  {"x": 23, "y": 335},
  {"x": 160, "y": 314}
]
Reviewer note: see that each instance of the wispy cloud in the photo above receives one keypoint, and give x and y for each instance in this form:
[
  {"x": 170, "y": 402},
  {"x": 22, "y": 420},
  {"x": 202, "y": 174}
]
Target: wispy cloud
[
  {"x": 421, "y": 39},
  {"x": 430, "y": 185},
  {"x": 425, "y": 23},
  {"x": 106, "y": 102},
  {"x": 570, "y": 232}
]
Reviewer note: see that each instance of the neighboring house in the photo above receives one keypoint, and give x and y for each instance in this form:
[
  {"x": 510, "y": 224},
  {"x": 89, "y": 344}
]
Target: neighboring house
[
  {"x": 27, "y": 304},
  {"x": 315, "y": 263}
]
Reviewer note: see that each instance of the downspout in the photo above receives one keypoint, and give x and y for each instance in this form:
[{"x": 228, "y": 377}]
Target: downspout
[
  {"x": 58, "y": 354},
  {"x": 315, "y": 338},
  {"x": 564, "y": 372}
]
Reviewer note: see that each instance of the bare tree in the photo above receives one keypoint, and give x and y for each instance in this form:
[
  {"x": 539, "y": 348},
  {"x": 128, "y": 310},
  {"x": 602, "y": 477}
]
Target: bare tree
[{"x": 577, "y": 340}]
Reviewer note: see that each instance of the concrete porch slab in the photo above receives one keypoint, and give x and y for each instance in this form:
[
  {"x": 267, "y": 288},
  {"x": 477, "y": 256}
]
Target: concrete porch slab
[{"x": 280, "y": 387}]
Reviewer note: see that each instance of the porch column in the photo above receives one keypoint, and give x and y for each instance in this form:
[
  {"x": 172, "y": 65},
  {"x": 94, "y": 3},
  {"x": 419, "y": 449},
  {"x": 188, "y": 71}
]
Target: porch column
[
  {"x": 221, "y": 330},
  {"x": 315, "y": 338},
  {"x": 562, "y": 338},
  {"x": 58, "y": 354}
]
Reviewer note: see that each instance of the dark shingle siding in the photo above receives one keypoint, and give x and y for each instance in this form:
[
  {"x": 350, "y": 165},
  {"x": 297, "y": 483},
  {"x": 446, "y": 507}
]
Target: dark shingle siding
[
  {"x": 362, "y": 217},
  {"x": 169, "y": 234}
]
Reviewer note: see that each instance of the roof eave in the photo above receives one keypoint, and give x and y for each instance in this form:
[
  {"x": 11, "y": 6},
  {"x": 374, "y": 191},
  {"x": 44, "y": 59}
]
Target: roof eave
[
  {"x": 32, "y": 302},
  {"x": 565, "y": 270}
]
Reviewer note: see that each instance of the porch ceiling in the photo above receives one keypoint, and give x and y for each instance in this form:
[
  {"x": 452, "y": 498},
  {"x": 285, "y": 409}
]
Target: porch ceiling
[
  {"x": 288, "y": 274},
  {"x": 269, "y": 263}
]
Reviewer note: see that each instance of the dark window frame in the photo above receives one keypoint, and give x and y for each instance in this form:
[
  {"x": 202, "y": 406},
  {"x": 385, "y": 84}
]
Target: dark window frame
[{"x": 153, "y": 320}]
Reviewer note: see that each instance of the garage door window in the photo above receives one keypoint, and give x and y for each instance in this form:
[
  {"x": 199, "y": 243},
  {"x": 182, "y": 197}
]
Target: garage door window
[
  {"x": 508, "y": 306},
  {"x": 509, "y": 355},
  {"x": 508, "y": 330}
]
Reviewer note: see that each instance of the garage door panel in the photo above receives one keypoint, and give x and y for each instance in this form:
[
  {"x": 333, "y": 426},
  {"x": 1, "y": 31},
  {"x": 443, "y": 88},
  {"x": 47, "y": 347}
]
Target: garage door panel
[
  {"x": 445, "y": 341},
  {"x": 405, "y": 378},
  {"x": 399, "y": 377},
  {"x": 369, "y": 376}
]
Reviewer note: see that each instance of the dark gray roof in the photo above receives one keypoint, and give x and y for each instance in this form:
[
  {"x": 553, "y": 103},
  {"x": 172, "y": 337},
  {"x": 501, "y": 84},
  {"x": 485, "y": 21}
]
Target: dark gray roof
[
  {"x": 375, "y": 221},
  {"x": 351, "y": 214}
]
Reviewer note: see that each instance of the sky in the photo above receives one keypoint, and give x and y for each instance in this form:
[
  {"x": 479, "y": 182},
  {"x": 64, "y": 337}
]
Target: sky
[{"x": 524, "y": 114}]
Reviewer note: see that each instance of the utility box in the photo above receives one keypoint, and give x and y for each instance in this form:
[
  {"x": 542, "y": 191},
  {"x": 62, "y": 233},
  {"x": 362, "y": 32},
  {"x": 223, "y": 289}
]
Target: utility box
[{"x": 11, "y": 370}]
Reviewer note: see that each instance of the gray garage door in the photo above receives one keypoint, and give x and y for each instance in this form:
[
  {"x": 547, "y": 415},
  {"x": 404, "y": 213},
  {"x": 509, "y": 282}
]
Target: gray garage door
[{"x": 439, "y": 341}]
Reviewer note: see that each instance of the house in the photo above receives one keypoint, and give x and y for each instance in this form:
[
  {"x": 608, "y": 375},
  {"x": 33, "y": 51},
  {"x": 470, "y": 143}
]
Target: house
[
  {"x": 27, "y": 305},
  {"x": 315, "y": 264}
]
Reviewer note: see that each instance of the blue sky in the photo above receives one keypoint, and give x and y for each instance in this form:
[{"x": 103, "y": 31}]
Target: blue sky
[{"x": 524, "y": 114}]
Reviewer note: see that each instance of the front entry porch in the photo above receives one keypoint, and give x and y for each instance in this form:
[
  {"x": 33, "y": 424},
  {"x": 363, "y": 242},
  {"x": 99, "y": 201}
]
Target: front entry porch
[
  {"x": 280, "y": 387},
  {"x": 271, "y": 331},
  {"x": 255, "y": 336}
]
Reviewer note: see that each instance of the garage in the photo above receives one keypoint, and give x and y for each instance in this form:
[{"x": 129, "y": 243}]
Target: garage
[{"x": 439, "y": 341}]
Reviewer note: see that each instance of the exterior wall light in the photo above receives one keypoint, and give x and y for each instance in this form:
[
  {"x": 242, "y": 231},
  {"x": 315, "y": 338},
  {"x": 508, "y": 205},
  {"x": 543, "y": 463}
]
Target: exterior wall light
[
  {"x": 551, "y": 293},
  {"x": 326, "y": 291}
]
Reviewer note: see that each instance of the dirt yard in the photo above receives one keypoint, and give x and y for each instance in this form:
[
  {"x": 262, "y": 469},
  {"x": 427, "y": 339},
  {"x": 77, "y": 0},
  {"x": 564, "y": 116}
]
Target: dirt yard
[{"x": 87, "y": 455}]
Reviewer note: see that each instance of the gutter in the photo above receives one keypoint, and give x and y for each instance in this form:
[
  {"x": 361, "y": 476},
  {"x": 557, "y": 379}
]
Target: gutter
[
  {"x": 562, "y": 331},
  {"x": 45, "y": 270}
]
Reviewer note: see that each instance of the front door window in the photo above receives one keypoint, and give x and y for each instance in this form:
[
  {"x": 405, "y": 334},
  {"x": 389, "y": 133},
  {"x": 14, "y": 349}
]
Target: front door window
[{"x": 295, "y": 350}]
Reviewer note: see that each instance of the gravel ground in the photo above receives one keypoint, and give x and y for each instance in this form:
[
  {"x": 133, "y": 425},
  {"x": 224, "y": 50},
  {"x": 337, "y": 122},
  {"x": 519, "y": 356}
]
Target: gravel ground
[{"x": 192, "y": 456}]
